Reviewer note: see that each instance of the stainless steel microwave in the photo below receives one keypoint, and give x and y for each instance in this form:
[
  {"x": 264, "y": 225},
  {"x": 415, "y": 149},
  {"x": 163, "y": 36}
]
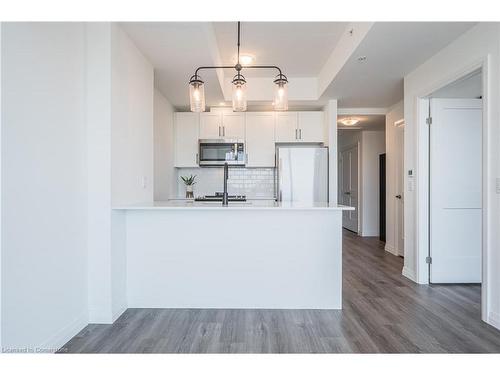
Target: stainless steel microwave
[{"x": 216, "y": 152}]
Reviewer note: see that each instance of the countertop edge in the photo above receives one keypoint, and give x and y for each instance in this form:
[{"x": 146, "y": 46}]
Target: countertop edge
[{"x": 216, "y": 207}]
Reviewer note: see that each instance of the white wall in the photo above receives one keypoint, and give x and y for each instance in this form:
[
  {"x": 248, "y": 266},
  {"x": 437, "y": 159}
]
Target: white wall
[
  {"x": 165, "y": 185},
  {"x": 395, "y": 113},
  {"x": 44, "y": 273},
  {"x": 330, "y": 110},
  {"x": 120, "y": 156},
  {"x": 131, "y": 122},
  {"x": 372, "y": 145},
  {"x": 480, "y": 44},
  {"x": 1, "y": 185},
  {"x": 470, "y": 87}
]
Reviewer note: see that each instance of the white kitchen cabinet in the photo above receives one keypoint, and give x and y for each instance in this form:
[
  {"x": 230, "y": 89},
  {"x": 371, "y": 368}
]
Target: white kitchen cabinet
[
  {"x": 260, "y": 146},
  {"x": 186, "y": 133},
  {"x": 210, "y": 125},
  {"x": 286, "y": 127},
  {"x": 311, "y": 126},
  {"x": 216, "y": 125},
  {"x": 233, "y": 125},
  {"x": 292, "y": 127}
]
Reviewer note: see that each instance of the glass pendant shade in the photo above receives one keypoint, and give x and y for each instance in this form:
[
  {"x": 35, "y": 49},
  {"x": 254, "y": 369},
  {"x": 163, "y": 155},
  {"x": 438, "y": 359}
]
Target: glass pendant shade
[
  {"x": 239, "y": 96},
  {"x": 281, "y": 96},
  {"x": 197, "y": 96}
]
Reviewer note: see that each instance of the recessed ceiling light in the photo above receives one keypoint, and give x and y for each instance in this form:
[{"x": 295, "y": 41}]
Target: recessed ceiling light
[
  {"x": 349, "y": 121},
  {"x": 362, "y": 58},
  {"x": 246, "y": 59}
]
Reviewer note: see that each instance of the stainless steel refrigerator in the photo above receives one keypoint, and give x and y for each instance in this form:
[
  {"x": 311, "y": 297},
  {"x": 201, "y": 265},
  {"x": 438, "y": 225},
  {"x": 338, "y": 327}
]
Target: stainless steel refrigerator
[{"x": 302, "y": 174}]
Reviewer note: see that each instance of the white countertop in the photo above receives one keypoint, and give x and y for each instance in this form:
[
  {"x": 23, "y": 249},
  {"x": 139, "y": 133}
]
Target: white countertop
[{"x": 250, "y": 204}]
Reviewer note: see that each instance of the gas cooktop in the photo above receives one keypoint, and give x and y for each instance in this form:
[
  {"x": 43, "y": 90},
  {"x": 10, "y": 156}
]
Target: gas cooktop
[{"x": 218, "y": 198}]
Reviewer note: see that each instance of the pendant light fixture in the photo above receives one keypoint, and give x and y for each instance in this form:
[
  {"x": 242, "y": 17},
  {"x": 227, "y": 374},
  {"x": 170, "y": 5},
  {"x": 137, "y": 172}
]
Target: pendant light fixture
[{"x": 197, "y": 86}]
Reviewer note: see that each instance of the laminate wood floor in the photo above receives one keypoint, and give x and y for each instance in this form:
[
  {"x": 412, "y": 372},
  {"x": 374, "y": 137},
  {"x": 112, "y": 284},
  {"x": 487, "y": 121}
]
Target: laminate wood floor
[{"x": 383, "y": 312}]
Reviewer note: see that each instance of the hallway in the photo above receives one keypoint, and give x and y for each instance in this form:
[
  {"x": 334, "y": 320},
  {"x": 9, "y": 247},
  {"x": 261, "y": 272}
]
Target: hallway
[{"x": 383, "y": 312}]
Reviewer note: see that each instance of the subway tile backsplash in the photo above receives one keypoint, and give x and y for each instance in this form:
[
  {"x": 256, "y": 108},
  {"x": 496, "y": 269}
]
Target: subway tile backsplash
[{"x": 252, "y": 182}]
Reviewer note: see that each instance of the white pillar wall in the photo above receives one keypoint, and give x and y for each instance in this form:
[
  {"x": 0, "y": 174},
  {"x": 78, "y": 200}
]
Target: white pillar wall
[
  {"x": 330, "y": 110},
  {"x": 119, "y": 158},
  {"x": 98, "y": 81}
]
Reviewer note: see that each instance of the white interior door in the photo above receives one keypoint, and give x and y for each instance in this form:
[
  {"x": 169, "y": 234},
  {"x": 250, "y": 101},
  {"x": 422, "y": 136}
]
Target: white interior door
[
  {"x": 399, "y": 190},
  {"x": 349, "y": 187},
  {"x": 456, "y": 190}
]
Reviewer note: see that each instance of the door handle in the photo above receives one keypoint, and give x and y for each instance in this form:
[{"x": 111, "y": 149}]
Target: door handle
[{"x": 398, "y": 196}]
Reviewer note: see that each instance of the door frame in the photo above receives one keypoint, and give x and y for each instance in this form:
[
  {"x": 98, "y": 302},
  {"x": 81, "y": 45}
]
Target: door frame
[
  {"x": 360, "y": 183},
  {"x": 422, "y": 182},
  {"x": 400, "y": 124}
]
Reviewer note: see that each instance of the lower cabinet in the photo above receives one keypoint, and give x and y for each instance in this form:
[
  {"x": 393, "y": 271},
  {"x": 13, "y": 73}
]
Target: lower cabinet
[{"x": 260, "y": 147}]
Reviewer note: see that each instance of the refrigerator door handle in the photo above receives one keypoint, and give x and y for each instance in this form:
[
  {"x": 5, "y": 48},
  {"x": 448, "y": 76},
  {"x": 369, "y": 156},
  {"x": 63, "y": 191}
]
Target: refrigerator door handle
[{"x": 279, "y": 194}]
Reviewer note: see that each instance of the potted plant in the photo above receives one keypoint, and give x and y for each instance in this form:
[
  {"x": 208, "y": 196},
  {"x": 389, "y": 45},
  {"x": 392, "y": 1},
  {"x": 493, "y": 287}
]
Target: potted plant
[{"x": 189, "y": 182}]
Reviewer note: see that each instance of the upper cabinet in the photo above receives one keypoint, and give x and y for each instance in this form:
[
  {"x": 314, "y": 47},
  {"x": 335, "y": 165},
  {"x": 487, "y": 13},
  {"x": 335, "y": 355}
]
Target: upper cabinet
[
  {"x": 186, "y": 133},
  {"x": 210, "y": 125},
  {"x": 286, "y": 127},
  {"x": 215, "y": 125},
  {"x": 260, "y": 147},
  {"x": 294, "y": 127},
  {"x": 259, "y": 130},
  {"x": 233, "y": 125},
  {"x": 311, "y": 126}
]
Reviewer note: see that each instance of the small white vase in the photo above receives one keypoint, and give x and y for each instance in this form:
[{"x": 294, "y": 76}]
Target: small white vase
[{"x": 189, "y": 192}]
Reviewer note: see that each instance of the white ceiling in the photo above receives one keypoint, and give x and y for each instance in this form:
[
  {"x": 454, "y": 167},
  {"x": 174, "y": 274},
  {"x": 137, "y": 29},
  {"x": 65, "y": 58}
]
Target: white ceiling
[
  {"x": 392, "y": 50},
  {"x": 366, "y": 122},
  {"x": 301, "y": 49},
  {"x": 176, "y": 49}
]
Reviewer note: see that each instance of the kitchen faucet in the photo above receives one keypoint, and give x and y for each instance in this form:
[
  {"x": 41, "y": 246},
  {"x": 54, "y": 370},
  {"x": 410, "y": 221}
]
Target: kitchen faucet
[{"x": 226, "y": 175}]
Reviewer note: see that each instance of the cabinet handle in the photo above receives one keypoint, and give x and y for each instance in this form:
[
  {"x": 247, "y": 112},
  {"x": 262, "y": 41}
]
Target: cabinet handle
[
  {"x": 223, "y": 131},
  {"x": 300, "y": 133},
  {"x": 219, "y": 131},
  {"x": 197, "y": 161},
  {"x": 296, "y": 137}
]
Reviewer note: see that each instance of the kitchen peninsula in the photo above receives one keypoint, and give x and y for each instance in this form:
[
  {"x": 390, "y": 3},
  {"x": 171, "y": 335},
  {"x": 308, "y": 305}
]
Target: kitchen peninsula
[{"x": 255, "y": 254}]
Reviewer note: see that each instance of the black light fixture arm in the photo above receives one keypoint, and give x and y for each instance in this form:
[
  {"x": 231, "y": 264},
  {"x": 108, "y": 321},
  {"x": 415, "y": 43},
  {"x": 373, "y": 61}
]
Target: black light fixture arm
[
  {"x": 240, "y": 68},
  {"x": 281, "y": 78}
]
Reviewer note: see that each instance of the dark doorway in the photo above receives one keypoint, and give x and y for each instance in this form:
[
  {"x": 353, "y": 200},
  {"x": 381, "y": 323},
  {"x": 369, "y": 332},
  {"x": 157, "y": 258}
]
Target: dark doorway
[{"x": 382, "y": 196}]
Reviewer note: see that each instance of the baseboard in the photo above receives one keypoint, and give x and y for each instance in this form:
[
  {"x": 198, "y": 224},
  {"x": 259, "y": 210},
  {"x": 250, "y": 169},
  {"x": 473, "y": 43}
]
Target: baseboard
[
  {"x": 118, "y": 311},
  {"x": 105, "y": 316},
  {"x": 61, "y": 337},
  {"x": 494, "y": 319},
  {"x": 408, "y": 273},
  {"x": 390, "y": 249},
  {"x": 100, "y": 316}
]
